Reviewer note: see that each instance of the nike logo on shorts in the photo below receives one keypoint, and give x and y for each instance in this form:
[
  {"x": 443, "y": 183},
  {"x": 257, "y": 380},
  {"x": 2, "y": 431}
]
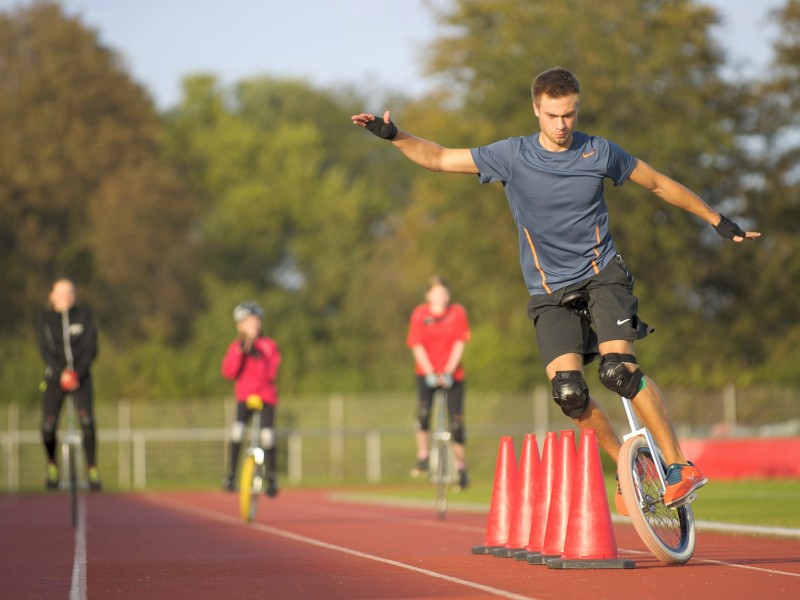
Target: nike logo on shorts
[{"x": 621, "y": 321}]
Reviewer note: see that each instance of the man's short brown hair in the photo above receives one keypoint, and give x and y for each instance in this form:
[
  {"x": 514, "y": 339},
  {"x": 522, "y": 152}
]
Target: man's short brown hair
[{"x": 556, "y": 83}]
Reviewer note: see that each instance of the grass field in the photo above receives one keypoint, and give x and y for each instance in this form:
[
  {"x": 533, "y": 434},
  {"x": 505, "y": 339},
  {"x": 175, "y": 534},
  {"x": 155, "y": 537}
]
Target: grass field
[{"x": 752, "y": 502}]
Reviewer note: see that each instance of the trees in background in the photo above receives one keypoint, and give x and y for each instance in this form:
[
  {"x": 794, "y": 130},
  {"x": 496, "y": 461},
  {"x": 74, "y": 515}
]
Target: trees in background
[
  {"x": 84, "y": 189},
  {"x": 265, "y": 191}
]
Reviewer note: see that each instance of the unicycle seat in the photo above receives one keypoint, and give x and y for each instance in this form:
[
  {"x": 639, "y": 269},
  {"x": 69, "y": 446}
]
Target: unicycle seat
[{"x": 576, "y": 301}]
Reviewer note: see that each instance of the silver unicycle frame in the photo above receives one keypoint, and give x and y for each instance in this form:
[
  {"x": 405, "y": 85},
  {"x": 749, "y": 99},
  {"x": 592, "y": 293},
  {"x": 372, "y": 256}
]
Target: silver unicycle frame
[
  {"x": 669, "y": 533},
  {"x": 443, "y": 470}
]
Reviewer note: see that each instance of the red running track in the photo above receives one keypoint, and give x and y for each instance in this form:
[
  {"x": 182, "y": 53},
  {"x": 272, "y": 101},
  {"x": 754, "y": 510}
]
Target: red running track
[{"x": 309, "y": 544}]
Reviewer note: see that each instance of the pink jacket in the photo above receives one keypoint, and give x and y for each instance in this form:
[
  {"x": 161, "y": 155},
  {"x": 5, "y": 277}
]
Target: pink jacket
[{"x": 254, "y": 372}]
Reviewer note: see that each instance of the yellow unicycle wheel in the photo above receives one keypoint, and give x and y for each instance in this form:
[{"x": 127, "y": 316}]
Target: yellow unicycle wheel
[{"x": 248, "y": 496}]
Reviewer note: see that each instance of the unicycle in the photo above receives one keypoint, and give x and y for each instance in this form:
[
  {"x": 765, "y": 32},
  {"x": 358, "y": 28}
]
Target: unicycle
[
  {"x": 251, "y": 477},
  {"x": 442, "y": 460},
  {"x": 71, "y": 461},
  {"x": 669, "y": 533}
]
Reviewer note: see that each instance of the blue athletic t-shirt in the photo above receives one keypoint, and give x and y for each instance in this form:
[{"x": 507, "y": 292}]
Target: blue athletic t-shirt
[{"x": 557, "y": 202}]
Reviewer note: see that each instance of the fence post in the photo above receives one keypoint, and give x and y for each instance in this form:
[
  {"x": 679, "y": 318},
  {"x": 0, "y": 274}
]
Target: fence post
[
  {"x": 12, "y": 449},
  {"x": 336, "y": 426},
  {"x": 124, "y": 448},
  {"x": 139, "y": 461},
  {"x": 541, "y": 414},
  {"x": 295, "y": 458},
  {"x": 729, "y": 408},
  {"x": 373, "y": 456}
]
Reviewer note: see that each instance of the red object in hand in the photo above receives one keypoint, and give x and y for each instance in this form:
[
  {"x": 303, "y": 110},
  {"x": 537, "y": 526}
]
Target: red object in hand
[{"x": 69, "y": 380}]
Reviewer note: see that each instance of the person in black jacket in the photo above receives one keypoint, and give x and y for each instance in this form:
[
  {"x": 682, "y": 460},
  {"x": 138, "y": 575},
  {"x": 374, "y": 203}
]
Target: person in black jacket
[{"x": 67, "y": 339}]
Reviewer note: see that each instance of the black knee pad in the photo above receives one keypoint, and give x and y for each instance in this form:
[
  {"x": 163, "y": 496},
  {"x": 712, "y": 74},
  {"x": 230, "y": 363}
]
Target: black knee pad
[
  {"x": 614, "y": 374},
  {"x": 570, "y": 392},
  {"x": 457, "y": 431}
]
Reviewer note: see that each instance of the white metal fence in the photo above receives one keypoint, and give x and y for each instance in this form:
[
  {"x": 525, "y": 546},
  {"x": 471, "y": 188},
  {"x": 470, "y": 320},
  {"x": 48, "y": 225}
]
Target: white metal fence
[{"x": 340, "y": 438}]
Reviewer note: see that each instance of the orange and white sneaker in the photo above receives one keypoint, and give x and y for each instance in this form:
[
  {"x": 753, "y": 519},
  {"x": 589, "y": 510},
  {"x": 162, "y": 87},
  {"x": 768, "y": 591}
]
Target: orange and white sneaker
[
  {"x": 619, "y": 501},
  {"x": 682, "y": 482}
]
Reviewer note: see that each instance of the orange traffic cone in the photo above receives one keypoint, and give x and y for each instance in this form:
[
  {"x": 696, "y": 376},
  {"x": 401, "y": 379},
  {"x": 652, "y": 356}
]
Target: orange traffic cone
[
  {"x": 541, "y": 498},
  {"x": 505, "y": 478},
  {"x": 522, "y": 509},
  {"x": 590, "y": 541},
  {"x": 558, "y": 515}
]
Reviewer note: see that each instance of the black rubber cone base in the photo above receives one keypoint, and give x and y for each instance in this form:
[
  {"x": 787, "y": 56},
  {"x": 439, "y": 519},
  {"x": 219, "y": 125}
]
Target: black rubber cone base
[
  {"x": 486, "y": 549},
  {"x": 586, "y": 563},
  {"x": 542, "y": 559},
  {"x": 506, "y": 552}
]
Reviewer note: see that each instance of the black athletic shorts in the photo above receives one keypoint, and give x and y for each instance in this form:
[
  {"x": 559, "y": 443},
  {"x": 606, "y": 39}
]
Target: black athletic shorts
[{"x": 614, "y": 315}]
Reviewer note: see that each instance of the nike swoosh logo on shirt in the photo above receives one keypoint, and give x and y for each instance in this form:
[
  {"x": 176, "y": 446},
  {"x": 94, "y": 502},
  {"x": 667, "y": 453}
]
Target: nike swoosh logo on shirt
[
  {"x": 620, "y": 322},
  {"x": 585, "y": 155}
]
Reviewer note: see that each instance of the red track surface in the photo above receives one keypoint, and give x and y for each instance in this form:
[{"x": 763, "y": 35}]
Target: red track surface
[{"x": 307, "y": 545}]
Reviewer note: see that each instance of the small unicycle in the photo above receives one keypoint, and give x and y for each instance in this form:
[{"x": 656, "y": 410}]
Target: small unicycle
[
  {"x": 442, "y": 460},
  {"x": 71, "y": 461},
  {"x": 669, "y": 533},
  {"x": 251, "y": 477}
]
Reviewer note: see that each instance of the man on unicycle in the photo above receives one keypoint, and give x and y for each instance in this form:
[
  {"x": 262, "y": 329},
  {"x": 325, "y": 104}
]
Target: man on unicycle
[{"x": 553, "y": 180}]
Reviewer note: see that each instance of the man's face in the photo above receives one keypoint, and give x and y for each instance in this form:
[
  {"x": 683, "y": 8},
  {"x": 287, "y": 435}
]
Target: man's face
[
  {"x": 62, "y": 296},
  {"x": 557, "y": 119}
]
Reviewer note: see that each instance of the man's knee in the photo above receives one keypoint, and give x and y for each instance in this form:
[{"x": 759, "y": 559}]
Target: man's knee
[
  {"x": 614, "y": 374},
  {"x": 571, "y": 393}
]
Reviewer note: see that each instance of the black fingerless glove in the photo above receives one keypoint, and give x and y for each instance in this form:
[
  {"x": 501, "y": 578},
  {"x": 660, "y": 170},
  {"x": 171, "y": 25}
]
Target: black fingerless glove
[
  {"x": 384, "y": 130},
  {"x": 728, "y": 229}
]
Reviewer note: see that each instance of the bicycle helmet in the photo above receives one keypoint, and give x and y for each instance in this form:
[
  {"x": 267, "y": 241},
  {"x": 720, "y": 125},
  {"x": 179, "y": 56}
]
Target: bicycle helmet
[{"x": 247, "y": 309}]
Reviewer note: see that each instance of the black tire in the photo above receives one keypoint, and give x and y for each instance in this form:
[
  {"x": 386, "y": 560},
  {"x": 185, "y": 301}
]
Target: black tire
[
  {"x": 72, "y": 479},
  {"x": 442, "y": 472}
]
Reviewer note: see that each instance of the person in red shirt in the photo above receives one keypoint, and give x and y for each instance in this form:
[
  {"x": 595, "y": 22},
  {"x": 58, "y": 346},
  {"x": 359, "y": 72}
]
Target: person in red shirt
[
  {"x": 437, "y": 334},
  {"x": 252, "y": 362}
]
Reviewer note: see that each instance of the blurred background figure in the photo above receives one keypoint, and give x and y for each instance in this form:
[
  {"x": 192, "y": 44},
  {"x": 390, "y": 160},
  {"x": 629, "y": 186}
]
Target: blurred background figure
[
  {"x": 252, "y": 362},
  {"x": 437, "y": 333},
  {"x": 67, "y": 339}
]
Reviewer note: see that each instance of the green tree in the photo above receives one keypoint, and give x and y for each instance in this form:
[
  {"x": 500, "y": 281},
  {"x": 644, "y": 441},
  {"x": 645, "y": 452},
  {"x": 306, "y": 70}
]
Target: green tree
[
  {"x": 663, "y": 101},
  {"x": 760, "y": 309},
  {"x": 84, "y": 190},
  {"x": 290, "y": 213}
]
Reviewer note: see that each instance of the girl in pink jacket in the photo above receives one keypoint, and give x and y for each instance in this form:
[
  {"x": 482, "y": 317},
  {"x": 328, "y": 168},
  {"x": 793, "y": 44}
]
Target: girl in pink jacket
[{"x": 252, "y": 362}]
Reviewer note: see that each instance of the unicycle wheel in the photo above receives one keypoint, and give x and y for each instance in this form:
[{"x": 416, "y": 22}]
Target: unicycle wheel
[
  {"x": 249, "y": 489},
  {"x": 72, "y": 479},
  {"x": 669, "y": 533}
]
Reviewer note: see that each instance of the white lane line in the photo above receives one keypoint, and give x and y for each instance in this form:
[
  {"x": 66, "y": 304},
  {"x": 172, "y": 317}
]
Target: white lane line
[
  {"x": 747, "y": 567},
  {"x": 722, "y": 563},
  {"x": 704, "y": 525},
  {"x": 209, "y": 514},
  {"x": 78, "y": 590}
]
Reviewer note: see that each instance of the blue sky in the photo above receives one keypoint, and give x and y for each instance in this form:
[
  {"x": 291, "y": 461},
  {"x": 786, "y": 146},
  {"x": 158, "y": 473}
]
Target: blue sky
[{"x": 373, "y": 44}]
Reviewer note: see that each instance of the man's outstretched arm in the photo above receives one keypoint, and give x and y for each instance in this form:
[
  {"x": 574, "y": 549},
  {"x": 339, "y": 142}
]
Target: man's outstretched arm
[
  {"x": 678, "y": 195},
  {"x": 422, "y": 152}
]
